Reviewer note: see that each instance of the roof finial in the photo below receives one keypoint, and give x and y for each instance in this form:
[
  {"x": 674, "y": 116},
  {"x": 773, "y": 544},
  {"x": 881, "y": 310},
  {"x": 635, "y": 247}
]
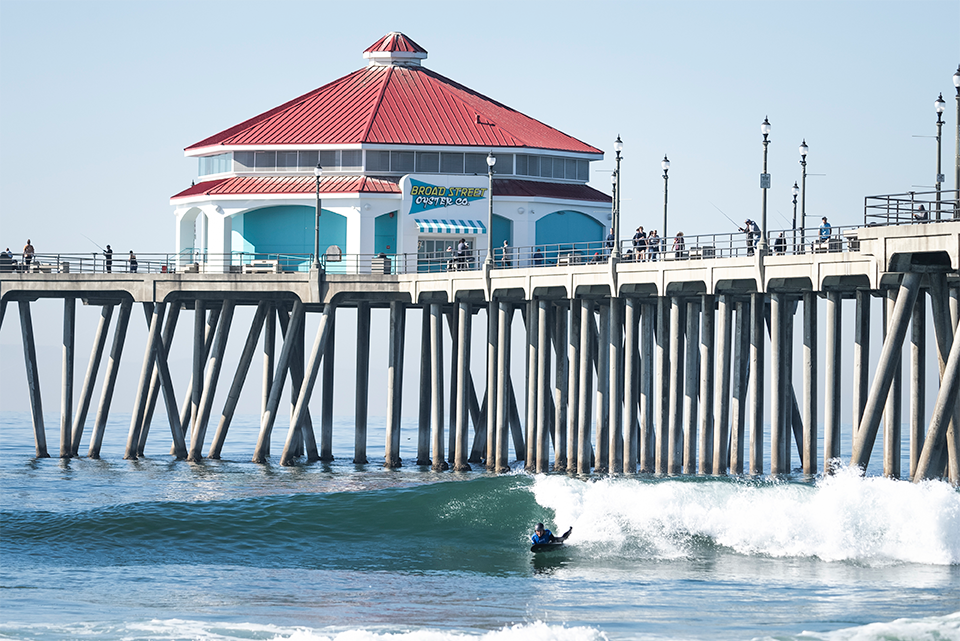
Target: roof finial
[{"x": 395, "y": 49}]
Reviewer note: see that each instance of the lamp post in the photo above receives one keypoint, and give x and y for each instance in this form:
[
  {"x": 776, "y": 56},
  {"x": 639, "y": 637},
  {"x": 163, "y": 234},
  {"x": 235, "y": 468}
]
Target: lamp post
[
  {"x": 317, "y": 171},
  {"x": 614, "y": 187},
  {"x": 618, "y": 147},
  {"x": 939, "y": 104},
  {"x": 764, "y": 185},
  {"x": 665, "y": 165},
  {"x": 956, "y": 178},
  {"x": 803, "y": 191},
  {"x": 491, "y": 161},
  {"x": 795, "y": 190}
]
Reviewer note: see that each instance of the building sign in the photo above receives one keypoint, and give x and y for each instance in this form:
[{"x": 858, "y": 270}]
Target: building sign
[{"x": 445, "y": 196}]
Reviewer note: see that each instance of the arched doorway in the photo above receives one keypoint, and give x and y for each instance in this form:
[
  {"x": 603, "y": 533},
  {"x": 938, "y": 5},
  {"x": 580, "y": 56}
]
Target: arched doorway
[
  {"x": 288, "y": 230},
  {"x": 569, "y": 232}
]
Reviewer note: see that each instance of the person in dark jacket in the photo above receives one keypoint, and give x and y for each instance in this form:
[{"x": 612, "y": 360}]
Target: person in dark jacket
[{"x": 543, "y": 535}]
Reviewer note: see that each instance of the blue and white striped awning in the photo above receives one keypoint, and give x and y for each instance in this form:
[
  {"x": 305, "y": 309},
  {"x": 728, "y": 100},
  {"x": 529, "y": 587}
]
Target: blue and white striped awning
[{"x": 440, "y": 226}]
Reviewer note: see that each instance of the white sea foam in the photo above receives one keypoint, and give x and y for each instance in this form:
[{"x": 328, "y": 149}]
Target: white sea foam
[{"x": 844, "y": 517}]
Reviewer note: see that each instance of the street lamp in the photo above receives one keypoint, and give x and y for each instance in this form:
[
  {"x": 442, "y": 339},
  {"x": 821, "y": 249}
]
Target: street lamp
[
  {"x": 803, "y": 191},
  {"x": 764, "y": 185},
  {"x": 956, "y": 180},
  {"x": 939, "y": 104},
  {"x": 614, "y": 187},
  {"x": 618, "y": 147},
  {"x": 795, "y": 190},
  {"x": 491, "y": 161},
  {"x": 665, "y": 164},
  {"x": 317, "y": 171}
]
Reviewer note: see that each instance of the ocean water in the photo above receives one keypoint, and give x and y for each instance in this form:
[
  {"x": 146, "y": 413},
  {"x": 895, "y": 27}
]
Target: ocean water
[{"x": 160, "y": 549}]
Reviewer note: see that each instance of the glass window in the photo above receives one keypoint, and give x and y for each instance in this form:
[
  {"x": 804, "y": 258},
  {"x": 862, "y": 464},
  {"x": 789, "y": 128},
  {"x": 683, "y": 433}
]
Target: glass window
[
  {"x": 378, "y": 161},
  {"x": 330, "y": 159},
  {"x": 351, "y": 159},
  {"x": 401, "y": 161},
  {"x": 287, "y": 161},
  {"x": 266, "y": 160},
  {"x": 533, "y": 165},
  {"x": 243, "y": 161},
  {"x": 521, "y": 165},
  {"x": 475, "y": 163},
  {"x": 570, "y": 168},
  {"x": 504, "y": 164},
  {"x": 309, "y": 160},
  {"x": 428, "y": 162},
  {"x": 451, "y": 163},
  {"x": 546, "y": 167},
  {"x": 583, "y": 170}
]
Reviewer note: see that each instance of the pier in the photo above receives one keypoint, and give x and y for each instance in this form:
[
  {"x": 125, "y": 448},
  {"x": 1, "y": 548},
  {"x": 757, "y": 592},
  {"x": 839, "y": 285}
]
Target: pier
[{"x": 632, "y": 365}]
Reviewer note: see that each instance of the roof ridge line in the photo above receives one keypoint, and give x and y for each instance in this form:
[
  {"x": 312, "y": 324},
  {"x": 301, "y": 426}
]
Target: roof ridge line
[{"x": 376, "y": 105}]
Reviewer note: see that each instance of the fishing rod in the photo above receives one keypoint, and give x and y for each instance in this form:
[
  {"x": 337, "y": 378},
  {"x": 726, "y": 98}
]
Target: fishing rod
[
  {"x": 727, "y": 217},
  {"x": 92, "y": 241}
]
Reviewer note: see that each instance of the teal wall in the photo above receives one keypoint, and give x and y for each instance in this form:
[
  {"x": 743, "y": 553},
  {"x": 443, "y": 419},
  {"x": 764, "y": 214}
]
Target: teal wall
[
  {"x": 288, "y": 229},
  {"x": 563, "y": 227},
  {"x": 502, "y": 231},
  {"x": 385, "y": 234}
]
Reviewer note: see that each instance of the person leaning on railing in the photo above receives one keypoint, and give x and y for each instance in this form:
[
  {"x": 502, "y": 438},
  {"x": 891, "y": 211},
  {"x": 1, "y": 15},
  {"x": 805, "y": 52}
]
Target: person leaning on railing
[{"x": 920, "y": 216}]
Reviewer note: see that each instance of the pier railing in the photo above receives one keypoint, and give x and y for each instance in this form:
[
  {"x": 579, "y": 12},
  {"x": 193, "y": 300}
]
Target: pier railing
[{"x": 911, "y": 207}]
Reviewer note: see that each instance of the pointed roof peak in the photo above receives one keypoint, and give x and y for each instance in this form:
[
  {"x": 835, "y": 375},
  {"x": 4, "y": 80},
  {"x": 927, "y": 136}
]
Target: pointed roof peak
[{"x": 395, "y": 48}]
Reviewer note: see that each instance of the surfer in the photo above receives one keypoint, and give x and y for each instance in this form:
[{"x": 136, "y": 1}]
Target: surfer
[{"x": 543, "y": 535}]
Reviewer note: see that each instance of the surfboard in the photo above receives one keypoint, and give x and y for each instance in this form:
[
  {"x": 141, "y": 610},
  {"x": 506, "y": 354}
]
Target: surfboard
[{"x": 555, "y": 544}]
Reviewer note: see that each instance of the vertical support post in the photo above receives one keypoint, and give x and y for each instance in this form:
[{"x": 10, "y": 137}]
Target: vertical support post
[
  {"x": 944, "y": 412},
  {"x": 436, "y": 388},
  {"x": 892, "y": 414},
  {"x": 791, "y": 407},
  {"x": 721, "y": 427},
  {"x": 831, "y": 415},
  {"x": 831, "y": 435},
  {"x": 615, "y": 359},
  {"x": 602, "y": 400},
  {"x": 647, "y": 359},
  {"x": 573, "y": 385},
  {"x": 585, "y": 386},
  {"x": 675, "y": 434},
  {"x": 269, "y": 416},
  {"x": 741, "y": 375},
  {"x": 861, "y": 357},
  {"x": 33, "y": 378},
  {"x": 239, "y": 377},
  {"x": 269, "y": 349},
  {"x": 326, "y": 385},
  {"x": 504, "y": 388},
  {"x": 560, "y": 379},
  {"x": 691, "y": 386},
  {"x": 942, "y": 323},
  {"x": 199, "y": 356},
  {"x": 423, "y": 428},
  {"x": 707, "y": 388},
  {"x": 450, "y": 314},
  {"x": 866, "y": 435},
  {"x": 86, "y": 393},
  {"x": 777, "y": 374},
  {"x": 464, "y": 322},
  {"x": 66, "y": 389},
  {"x": 918, "y": 387},
  {"x": 362, "y": 393},
  {"x": 214, "y": 366},
  {"x": 395, "y": 383},
  {"x": 156, "y": 384},
  {"x": 757, "y": 304},
  {"x": 493, "y": 366},
  {"x": 531, "y": 392},
  {"x": 149, "y": 357},
  {"x": 542, "y": 375},
  {"x": 110, "y": 377},
  {"x": 186, "y": 410},
  {"x": 631, "y": 385},
  {"x": 662, "y": 386}
]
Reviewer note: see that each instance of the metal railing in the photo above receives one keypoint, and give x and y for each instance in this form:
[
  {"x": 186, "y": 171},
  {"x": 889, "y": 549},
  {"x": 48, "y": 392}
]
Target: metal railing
[
  {"x": 156, "y": 263},
  {"x": 912, "y": 207}
]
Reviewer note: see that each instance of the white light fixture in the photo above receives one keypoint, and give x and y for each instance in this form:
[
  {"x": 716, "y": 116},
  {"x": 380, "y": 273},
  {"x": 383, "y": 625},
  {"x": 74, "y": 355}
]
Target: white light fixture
[
  {"x": 939, "y": 104},
  {"x": 804, "y": 148},
  {"x": 491, "y": 159},
  {"x": 618, "y": 145},
  {"x": 765, "y": 126},
  {"x": 795, "y": 190},
  {"x": 520, "y": 210},
  {"x": 665, "y": 163}
]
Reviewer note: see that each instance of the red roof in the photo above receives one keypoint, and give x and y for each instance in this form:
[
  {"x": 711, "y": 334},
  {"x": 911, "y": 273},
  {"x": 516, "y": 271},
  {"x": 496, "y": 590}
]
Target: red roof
[
  {"x": 395, "y": 41},
  {"x": 396, "y": 104},
  {"x": 252, "y": 185}
]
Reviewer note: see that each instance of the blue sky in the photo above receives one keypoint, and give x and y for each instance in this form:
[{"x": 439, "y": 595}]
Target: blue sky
[{"x": 98, "y": 99}]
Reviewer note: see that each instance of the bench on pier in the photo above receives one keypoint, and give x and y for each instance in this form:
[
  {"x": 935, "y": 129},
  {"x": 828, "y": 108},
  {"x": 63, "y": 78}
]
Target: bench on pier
[
  {"x": 40, "y": 268},
  {"x": 568, "y": 258},
  {"x": 703, "y": 251},
  {"x": 262, "y": 267},
  {"x": 832, "y": 245}
]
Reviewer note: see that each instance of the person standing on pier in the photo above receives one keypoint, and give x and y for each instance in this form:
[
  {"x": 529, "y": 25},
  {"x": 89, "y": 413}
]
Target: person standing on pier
[
  {"x": 505, "y": 255},
  {"x": 108, "y": 259},
  {"x": 133, "y": 262},
  {"x": 640, "y": 243},
  {"x": 679, "y": 246},
  {"x": 28, "y": 253},
  {"x": 825, "y": 231},
  {"x": 748, "y": 228},
  {"x": 653, "y": 244}
]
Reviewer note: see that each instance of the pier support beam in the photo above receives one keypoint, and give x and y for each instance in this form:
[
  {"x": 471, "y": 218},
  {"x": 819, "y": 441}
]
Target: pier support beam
[
  {"x": 531, "y": 386},
  {"x": 160, "y": 385},
  {"x": 398, "y": 316},
  {"x": 214, "y": 366},
  {"x": 946, "y": 453},
  {"x": 757, "y": 304},
  {"x": 573, "y": 385},
  {"x": 647, "y": 359},
  {"x": 691, "y": 386},
  {"x": 362, "y": 383},
  {"x": 233, "y": 396},
  {"x": 462, "y": 422},
  {"x": 943, "y": 413},
  {"x": 741, "y": 376},
  {"x": 269, "y": 353},
  {"x": 110, "y": 378},
  {"x": 66, "y": 385},
  {"x": 631, "y": 385},
  {"x": 889, "y": 358},
  {"x": 560, "y": 387},
  {"x": 542, "y": 376},
  {"x": 585, "y": 387},
  {"x": 832, "y": 387},
  {"x": 262, "y": 450},
  {"x": 918, "y": 387},
  {"x": 707, "y": 369},
  {"x": 615, "y": 358},
  {"x": 810, "y": 381},
  {"x": 86, "y": 392},
  {"x": 861, "y": 357},
  {"x": 297, "y": 421},
  {"x": 436, "y": 388},
  {"x": 662, "y": 386},
  {"x": 602, "y": 409},
  {"x": 149, "y": 357},
  {"x": 675, "y": 433},
  {"x": 893, "y": 411},
  {"x": 778, "y": 375},
  {"x": 721, "y": 427},
  {"x": 423, "y": 426},
  {"x": 490, "y": 397},
  {"x": 33, "y": 378},
  {"x": 505, "y": 403},
  {"x": 326, "y": 386}
]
